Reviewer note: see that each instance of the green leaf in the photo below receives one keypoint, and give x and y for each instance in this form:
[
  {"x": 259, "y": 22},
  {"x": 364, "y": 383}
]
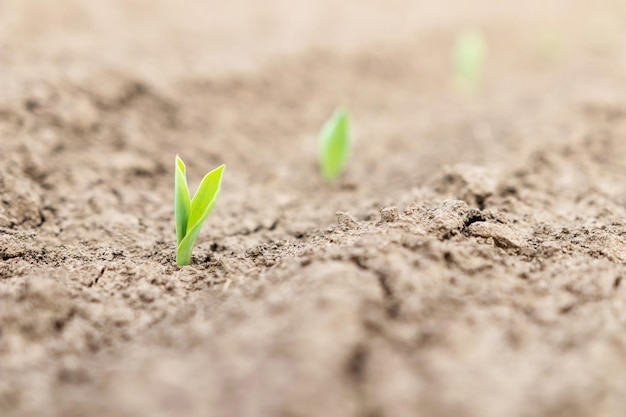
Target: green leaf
[
  {"x": 202, "y": 205},
  {"x": 469, "y": 55},
  {"x": 205, "y": 198},
  {"x": 181, "y": 200},
  {"x": 335, "y": 144}
]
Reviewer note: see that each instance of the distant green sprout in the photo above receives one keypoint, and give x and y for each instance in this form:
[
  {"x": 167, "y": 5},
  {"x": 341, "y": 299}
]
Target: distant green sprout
[
  {"x": 192, "y": 213},
  {"x": 469, "y": 55},
  {"x": 335, "y": 144}
]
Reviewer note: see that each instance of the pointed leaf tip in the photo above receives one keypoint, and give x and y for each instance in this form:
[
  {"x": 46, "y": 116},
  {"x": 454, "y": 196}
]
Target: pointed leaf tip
[
  {"x": 205, "y": 198},
  {"x": 180, "y": 164}
]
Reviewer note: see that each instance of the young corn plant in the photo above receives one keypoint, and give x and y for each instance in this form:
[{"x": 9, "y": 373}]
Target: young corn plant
[
  {"x": 192, "y": 213},
  {"x": 469, "y": 55},
  {"x": 335, "y": 145}
]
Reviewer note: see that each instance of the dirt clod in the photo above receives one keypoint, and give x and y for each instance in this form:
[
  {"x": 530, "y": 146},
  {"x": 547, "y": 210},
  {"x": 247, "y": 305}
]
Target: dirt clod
[
  {"x": 346, "y": 220},
  {"x": 502, "y": 235},
  {"x": 389, "y": 215}
]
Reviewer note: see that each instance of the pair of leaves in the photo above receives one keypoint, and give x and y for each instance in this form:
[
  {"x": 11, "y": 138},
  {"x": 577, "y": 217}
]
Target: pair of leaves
[
  {"x": 192, "y": 213},
  {"x": 335, "y": 144}
]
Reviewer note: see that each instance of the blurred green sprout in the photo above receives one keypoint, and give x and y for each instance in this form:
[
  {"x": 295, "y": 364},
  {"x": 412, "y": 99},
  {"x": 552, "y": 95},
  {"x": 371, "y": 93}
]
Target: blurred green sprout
[
  {"x": 335, "y": 144},
  {"x": 469, "y": 55},
  {"x": 192, "y": 213}
]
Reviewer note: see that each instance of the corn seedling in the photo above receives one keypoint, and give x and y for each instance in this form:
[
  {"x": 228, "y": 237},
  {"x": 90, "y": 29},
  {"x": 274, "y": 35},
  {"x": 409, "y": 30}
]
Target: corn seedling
[
  {"x": 335, "y": 144},
  {"x": 192, "y": 213},
  {"x": 469, "y": 54}
]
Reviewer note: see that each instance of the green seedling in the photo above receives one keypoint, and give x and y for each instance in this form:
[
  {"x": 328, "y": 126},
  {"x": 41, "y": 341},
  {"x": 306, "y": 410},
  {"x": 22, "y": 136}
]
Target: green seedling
[
  {"x": 192, "y": 213},
  {"x": 469, "y": 55},
  {"x": 335, "y": 144}
]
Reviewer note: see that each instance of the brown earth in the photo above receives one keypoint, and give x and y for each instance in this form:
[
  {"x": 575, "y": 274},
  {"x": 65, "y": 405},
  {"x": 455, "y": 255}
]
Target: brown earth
[{"x": 469, "y": 263}]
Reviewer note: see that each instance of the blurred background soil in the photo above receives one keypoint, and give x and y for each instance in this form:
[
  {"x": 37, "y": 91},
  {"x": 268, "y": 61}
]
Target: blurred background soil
[{"x": 469, "y": 263}]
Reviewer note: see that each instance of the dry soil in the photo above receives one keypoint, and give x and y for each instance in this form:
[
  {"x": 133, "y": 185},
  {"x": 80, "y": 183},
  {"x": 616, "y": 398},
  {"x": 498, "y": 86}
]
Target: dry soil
[{"x": 470, "y": 262}]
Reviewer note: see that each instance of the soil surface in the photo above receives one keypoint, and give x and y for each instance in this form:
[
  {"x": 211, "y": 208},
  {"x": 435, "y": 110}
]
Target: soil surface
[{"x": 470, "y": 262}]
